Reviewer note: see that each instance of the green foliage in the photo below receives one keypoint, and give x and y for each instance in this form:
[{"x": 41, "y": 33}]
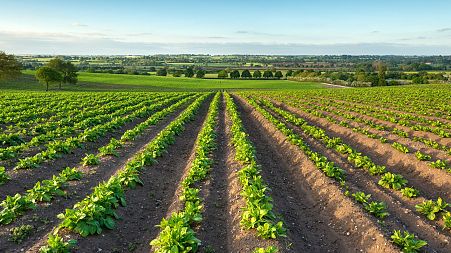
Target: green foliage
[
  {"x": 56, "y": 244},
  {"x": 430, "y": 208},
  {"x": 14, "y": 206},
  {"x": 20, "y": 233},
  {"x": 269, "y": 249},
  {"x": 410, "y": 192},
  {"x": 400, "y": 147},
  {"x": 48, "y": 75},
  {"x": 257, "y": 214},
  {"x": 439, "y": 164},
  {"x": 392, "y": 181},
  {"x": 4, "y": 177},
  {"x": 407, "y": 241},
  {"x": 422, "y": 157},
  {"x": 447, "y": 220},
  {"x": 176, "y": 235},
  {"x": 90, "y": 160},
  {"x": 9, "y": 66}
]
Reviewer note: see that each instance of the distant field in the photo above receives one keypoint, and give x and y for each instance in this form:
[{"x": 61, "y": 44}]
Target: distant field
[{"x": 97, "y": 81}]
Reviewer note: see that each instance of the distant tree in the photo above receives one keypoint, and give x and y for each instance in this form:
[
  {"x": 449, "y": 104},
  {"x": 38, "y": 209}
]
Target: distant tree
[
  {"x": 246, "y": 74},
  {"x": 9, "y": 66},
  {"x": 381, "y": 72},
  {"x": 48, "y": 75},
  {"x": 67, "y": 70},
  {"x": 189, "y": 72},
  {"x": 200, "y": 73},
  {"x": 162, "y": 72},
  {"x": 223, "y": 74},
  {"x": 278, "y": 74},
  {"x": 267, "y": 74},
  {"x": 289, "y": 73},
  {"x": 152, "y": 69},
  {"x": 177, "y": 73},
  {"x": 257, "y": 74},
  {"x": 235, "y": 74}
]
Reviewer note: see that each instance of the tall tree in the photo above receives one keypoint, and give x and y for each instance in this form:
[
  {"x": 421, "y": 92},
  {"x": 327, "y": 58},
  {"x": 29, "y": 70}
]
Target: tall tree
[
  {"x": 278, "y": 74},
  {"x": 200, "y": 73},
  {"x": 67, "y": 70},
  {"x": 381, "y": 72},
  {"x": 223, "y": 74},
  {"x": 162, "y": 72},
  {"x": 267, "y": 74},
  {"x": 9, "y": 66},
  {"x": 257, "y": 74},
  {"x": 246, "y": 74},
  {"x": 48, "y": 75},
  {"x": 189, "y": 72},
  {"x": 235, "y": 74}
]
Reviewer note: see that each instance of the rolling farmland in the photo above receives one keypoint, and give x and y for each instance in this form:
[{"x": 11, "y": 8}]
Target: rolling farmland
[{"x": 321, "y": 170}]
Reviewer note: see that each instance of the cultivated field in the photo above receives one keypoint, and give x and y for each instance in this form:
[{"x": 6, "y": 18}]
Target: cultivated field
[{"x": 322, "y": 170}]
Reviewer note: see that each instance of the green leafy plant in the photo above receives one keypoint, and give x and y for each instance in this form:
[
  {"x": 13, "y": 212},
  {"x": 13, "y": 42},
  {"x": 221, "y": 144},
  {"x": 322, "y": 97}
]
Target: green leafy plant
[
  {"x": 407, "y": 241},
  {"x": 90, "y": 160},
  {"x": 269, "y": 249},
  {"x": 422, "y": 157},
  {"x": 430, "y": 208},
  {"x": 400, "y": 147},
  {"x": 439, "y": 164},
  {"x": 20, "y": 233},
  {"x": 56, "y": 244},
  {"x": 410, "y": 192},
  {"x": 3, "y": 176},
  {"x": 447, "y": 220},
  {"x": 361, "y": 197},
  {"x": 378, "y": 209},
  {"x": 14, "y": 206},
  {"x": 393, "y": 181}
]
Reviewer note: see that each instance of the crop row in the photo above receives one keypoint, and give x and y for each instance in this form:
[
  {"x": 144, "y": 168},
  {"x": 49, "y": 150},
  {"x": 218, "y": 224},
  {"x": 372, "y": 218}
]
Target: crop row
[{"x": 176, "y": 232}]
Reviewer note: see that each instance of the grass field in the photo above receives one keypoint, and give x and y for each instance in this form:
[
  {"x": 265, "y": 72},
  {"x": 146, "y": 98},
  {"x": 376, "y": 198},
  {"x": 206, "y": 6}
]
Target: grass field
[{"x": 102, "y": 82}]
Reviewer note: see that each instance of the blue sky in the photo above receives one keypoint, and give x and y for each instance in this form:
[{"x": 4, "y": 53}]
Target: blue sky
[{"x": 403, "y": 27}]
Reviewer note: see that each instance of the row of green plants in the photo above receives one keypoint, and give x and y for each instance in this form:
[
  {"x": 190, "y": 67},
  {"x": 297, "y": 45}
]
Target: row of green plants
[
  {"x": 43, "y": 191},
  {"x": 41, "y": 129},
  {"x": 176, "y": 232},
  {"x": 376, "y": 208},
  {"x": 387, "y": 180},
  {"x": 56, "y": 149},
  {"x": 439, "y": 164},
  {"x": 402, "y": 119},
  {"x": 131, "y": 134},
  {"x": 87, "y": 120},
  {"x": 258, "y": 211},
  {"x": 96, "y": 211}
]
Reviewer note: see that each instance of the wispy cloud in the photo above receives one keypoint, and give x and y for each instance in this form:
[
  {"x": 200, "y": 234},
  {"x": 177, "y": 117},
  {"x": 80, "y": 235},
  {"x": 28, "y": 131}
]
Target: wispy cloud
[
  {"x": 258, "y": 33},
  {"x": 77, "y": 24},
  {"x": 447, "y": 29}
]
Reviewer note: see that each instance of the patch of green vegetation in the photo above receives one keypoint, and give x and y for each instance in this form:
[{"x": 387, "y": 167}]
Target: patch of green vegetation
[{"x": 121, "y": 82}]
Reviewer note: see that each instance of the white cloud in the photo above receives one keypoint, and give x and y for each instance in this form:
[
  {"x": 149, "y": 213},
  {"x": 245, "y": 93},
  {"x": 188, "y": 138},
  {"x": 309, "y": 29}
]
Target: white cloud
[{"x": 77, "y": 24}]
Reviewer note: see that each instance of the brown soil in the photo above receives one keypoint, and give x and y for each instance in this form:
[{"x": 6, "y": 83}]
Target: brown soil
[
  {"x": 328, "y": 219},
  {"x": 402, "y": 211},
  {"x": 44, "y": 217}
]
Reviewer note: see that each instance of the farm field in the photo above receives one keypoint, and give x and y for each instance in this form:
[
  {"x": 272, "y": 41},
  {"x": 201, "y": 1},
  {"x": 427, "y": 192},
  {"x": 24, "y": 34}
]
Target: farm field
[
  {"x": 313, "y": 170},
  {"x": 118, "y": 82}
]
